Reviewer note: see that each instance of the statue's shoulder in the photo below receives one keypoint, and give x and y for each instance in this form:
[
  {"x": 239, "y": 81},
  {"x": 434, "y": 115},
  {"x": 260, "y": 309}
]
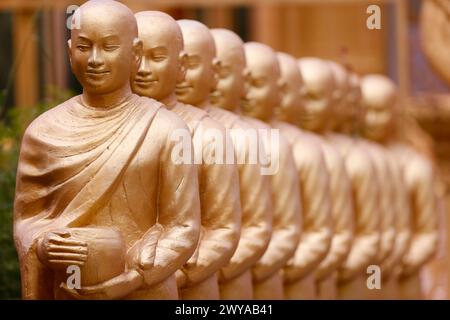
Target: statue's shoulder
[
  {"x": 227, "y": 118},
  {"x": 46, "y": 120},
  {"x": 167, "y": 119}
]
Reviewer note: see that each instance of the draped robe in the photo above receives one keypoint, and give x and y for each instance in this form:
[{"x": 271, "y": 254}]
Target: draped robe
[{"x": 82, "y": 167}]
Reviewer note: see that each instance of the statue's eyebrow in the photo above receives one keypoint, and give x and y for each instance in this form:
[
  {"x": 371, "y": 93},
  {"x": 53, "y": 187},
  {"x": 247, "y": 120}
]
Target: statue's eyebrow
[
  {"x": 159, "y": 49},
  {"x": 112, "y": 37},
  {"x": 83, "y": 38}
]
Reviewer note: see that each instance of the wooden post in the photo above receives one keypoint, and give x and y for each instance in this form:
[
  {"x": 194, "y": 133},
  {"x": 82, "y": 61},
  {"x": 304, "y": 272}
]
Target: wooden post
[
  {"x": 266, "y": 25},
  {"x": 219, "y": 17},
  {"x": 402, "y": 26},
  {"x": 25, "y": 58}
]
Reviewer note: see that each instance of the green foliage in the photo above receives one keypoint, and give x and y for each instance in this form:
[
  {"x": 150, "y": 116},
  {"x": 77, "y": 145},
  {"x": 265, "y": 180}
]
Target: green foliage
[{"x": 11, "y": 130}]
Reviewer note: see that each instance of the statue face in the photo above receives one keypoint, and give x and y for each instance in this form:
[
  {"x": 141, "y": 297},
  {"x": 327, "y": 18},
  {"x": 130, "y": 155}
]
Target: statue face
[
  {"x": 200, "y": 78},
  {"x": 378, "y": 101},
  {"x": 291, "y": 86},
  {"x": 103, "y": 51},
  {"x": 318, "y": 89},
  {"x": 159, "y": 69},
  {"x": 230, "y": 70},
  {"x": 262, "y": 94}
]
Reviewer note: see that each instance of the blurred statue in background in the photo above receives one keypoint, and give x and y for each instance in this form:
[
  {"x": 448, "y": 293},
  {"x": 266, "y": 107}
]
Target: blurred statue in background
[
  {"x": 96, "y": 186},
  {"x": 261, "y": 99},
  {"x": 352, "y": 274},
  {"x": 283, "y": 182},
  {"x": 307, "y": 100},
  {"x": 387, "y": 198},
  {"x": 381, "y": 123},
  {"x": 396, "y": 200},
  {"x": 285, "y": 195},
  {"x": 163, "y": 65}
]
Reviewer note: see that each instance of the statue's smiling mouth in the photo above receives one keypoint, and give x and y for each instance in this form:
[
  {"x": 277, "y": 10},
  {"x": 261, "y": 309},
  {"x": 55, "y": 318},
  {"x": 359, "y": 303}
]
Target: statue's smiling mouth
[
  {"x": 144, "y": 82},
  {"x": 97, "y": 72}
]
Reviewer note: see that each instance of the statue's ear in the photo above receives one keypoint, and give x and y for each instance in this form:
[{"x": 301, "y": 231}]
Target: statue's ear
[
  {"x": 69, "y": 50},
  {"x": 137, "y": 51},
  {"x": 216, "y": 69},
  {"x": 183, "y": 63},
  {"x": 282, "y": 85}
]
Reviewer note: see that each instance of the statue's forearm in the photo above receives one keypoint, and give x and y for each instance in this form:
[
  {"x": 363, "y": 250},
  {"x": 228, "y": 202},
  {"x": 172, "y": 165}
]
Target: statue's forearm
[
  {"x": 253, "y": 243},
  {"x": 281, "y": 248},
  {"x": 339, "y": 250},
  {"x": 312, "y": 249},
  {"x": 363, "y": 252},
  {"x": 423, "y": 247}
]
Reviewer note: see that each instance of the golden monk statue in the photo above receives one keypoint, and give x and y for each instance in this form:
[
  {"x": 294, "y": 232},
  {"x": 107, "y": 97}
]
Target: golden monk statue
[
  {"x": 304, "y": 96},
  {"x": 200, "y": 80},
  {"x": 387, "y": 209},
  {"x": 97, "y": 188},
  {"x": 261, "y": 98},
  {"x": 396, "y": 212},
  {"x": 160, "y": 70},
  {"x": 285, "y": 195},
  {"x": 380, "y": 103},
  {"x": 353, "y": 273}
]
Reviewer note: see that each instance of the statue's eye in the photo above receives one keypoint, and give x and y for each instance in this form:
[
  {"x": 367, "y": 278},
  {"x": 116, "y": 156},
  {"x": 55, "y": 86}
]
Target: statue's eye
[
  {"x": 159, "y": 58},
  {"x": 111, "y": 47},
  {"x": 83, "y": 47}
]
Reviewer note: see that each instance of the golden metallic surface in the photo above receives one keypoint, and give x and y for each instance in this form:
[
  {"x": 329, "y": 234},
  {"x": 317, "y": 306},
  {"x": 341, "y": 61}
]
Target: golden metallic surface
[
  {"x": 364, "y": 184},
  {"x": 261, "y": 99},
  {"x": 381, "y": 117},
  {"x": 283, "y": 188},
  {"x": 316, "y": 115},
  {"x": 234, "y": 277},
  {"x": 96, "y": 185},
  {"x": 161, "y": 68}
]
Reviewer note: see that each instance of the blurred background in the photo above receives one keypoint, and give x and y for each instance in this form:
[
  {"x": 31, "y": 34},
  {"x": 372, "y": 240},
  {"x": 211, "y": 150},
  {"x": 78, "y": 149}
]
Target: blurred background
[{"x": 35, "y": 75}]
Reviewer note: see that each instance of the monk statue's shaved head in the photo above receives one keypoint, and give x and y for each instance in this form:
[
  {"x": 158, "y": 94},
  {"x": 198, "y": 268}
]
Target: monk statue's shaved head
[
  {"x": 291, "y": 85},
  {"x": 200, "y": 75},
  {"x": 161, "y": 65},
  {"x": 104, "y": 49},
  {"x": 318, "y": 86},
  {"x": 231, "y": 57},
  {"x": 262, "y": 94}
]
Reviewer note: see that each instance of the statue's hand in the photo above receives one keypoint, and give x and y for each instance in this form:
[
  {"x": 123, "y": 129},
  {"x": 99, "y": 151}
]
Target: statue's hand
[
  {"x": 181, "y": 278},
  {"x": 57, "y": 250},
  {"x": 115, "y": 288}
]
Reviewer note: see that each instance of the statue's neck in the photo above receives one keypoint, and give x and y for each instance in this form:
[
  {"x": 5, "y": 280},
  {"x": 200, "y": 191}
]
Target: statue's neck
[
  {"x": 170, "y": 101},
  {"x": 106, "y": 100},
  {"x": 204, "y": 104}
]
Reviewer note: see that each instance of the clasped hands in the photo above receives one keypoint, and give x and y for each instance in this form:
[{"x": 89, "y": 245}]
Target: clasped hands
[{"x": 58, "y": 250}]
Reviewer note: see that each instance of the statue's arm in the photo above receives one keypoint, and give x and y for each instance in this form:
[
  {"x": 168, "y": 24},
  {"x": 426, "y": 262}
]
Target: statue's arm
[
  {"x": 287, "y": 215},
  {"x": 367, "y": 228},
  {"x": 343, "y": 220},
  {"x": 220, "y": 206},
  {"x": 420, "y": 182},
  {"x": 256, "y": 217},
  {"x": 317, "y": 228},
  {"x": 402, "y": 220},
  {"x": 171, "y": 242}
]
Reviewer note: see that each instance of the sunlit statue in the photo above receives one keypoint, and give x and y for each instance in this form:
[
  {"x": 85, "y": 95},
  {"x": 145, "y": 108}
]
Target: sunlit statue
[
  {"x": 353, "y": 273},
  {"x": 395, "y": 218},
  {"x": 200, "y": 80},
  {"x": 387, "y": 199},
  {"x": 97, "y": 190},
  {"x": 307, "y": 100},
  {"x": 381, "y": 119},
  {"x": 162, "y": 66},
  {"x": 262, "y": 97},
  {"x": 285, "y": 195}
]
